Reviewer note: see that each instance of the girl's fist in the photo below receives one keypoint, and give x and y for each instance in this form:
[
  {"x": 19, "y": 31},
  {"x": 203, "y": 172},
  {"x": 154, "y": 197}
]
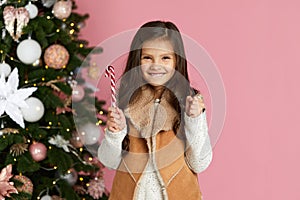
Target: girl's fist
[
  {"x": 194, "y": 105},
  {"x": 116, "y": 119}
]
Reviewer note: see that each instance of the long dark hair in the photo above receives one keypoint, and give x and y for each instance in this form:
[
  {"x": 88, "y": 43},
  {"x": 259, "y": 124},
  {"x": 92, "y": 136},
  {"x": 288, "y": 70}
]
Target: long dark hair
[{"x": 176, "y": 89}]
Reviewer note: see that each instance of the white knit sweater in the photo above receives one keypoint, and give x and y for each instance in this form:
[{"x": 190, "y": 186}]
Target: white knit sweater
[{"x": 198, "y": 156}]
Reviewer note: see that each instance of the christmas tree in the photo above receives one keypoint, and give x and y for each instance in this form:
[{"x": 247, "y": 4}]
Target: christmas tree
[{"x": 49, "y": 120}]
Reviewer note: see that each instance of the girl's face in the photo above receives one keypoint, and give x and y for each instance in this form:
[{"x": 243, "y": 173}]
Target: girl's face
[{"x": 157, "y": 61}]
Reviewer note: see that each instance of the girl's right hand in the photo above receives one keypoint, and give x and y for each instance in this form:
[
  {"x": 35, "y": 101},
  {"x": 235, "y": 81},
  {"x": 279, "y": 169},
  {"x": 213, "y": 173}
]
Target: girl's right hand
[{"x": 115, "y": 120}]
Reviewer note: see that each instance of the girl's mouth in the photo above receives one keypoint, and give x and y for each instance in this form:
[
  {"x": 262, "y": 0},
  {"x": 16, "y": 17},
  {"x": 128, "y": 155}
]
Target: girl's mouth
[{"x": 156, "y": 74}]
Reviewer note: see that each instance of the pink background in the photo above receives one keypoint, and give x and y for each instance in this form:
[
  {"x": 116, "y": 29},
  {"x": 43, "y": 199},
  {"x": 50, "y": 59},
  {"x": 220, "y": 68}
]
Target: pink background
[{"x": 256, "y": 45}]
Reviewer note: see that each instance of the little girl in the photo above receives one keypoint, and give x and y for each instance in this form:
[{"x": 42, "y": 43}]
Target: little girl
[{"x": 157, "y": 138}]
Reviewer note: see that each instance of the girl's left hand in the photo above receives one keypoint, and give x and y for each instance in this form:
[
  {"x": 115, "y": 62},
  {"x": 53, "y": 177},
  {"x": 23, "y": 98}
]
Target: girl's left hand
[{"x": 194, "y": 105}]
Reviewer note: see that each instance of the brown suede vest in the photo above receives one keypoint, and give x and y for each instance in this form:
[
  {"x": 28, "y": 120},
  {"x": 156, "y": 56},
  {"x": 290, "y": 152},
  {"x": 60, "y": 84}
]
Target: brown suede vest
[{"x": 151, "y": 136}]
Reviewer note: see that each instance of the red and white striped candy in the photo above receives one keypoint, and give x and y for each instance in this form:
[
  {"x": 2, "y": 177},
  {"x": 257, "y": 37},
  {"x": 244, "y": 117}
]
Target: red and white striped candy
[{"x": 110, "y": 71}]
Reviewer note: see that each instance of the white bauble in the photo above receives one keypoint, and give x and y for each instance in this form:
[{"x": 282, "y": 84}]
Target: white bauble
[
  {"x": 32, "y": 10},
  {"x": 28, "y": 51},
  {"x": 35, "y": 110},
  {"x": 5, "y": 69},
  {"x": 46, "y": 197},
  {"x": 89, "y": 133}
]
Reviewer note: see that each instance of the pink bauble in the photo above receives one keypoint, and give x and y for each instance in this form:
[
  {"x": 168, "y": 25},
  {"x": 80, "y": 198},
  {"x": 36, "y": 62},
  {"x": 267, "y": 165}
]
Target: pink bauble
[
  {"x": 38, "y": 151},
  {"x": 77, "y": 93},
  {"x": 62, "y": 9},
  {"x": 56, "y": 56}
]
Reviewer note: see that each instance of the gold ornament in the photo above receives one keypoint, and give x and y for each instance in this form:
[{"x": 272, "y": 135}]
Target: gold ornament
[
  {"x": 54, "y": 197},
  {"x": 27, "y": 186},
  {"x": 18, "y": 149},
  {"x": 51, "y": 84},
  {"x": 93, "y": 71},
  {"x": 56, "y": 56},
  {"x": 9, "y": 130}
]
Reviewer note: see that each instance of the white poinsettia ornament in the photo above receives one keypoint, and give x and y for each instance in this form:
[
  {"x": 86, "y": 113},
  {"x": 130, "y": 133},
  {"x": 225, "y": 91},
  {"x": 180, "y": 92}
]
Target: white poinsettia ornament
[
  {"x": 60, "y": 142},
  {"x": 12, "y": 99}
]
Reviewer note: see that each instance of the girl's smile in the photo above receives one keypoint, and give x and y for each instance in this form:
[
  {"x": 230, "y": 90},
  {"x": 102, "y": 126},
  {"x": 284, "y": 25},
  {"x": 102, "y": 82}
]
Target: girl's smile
[{"x": 157, "y": 61}]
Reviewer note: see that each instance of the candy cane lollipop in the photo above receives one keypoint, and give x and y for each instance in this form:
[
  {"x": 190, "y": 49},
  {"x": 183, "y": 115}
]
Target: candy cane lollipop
[{"x": 110, "y": 71}]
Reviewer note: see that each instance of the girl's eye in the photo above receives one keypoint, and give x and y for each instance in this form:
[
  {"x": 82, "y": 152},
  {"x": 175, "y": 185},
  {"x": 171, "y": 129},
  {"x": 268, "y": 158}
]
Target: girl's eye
[
  {"x": 166, "y": 58},
  {"x": 146, "y": 57}
]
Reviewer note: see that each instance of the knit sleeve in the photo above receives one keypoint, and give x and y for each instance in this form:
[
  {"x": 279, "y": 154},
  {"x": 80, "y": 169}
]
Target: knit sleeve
[
  {"x": 110, "y": 150},
  {"x": 198, "y": 154}
]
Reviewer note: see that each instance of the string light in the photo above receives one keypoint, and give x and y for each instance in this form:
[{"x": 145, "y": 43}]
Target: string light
[
  {"x": 50, "y": 147},
  {"x": 87, "y": 184},
  {"x": 54, "y": 182},
  {"x": 11, "y": 58},
  {"x": 81, "y": 149},
  {"x": 28, "y": 141},
  {"x": 48, "y": 17},
  {"x": 72, "y": 31},
  {"x": 101, "y": 112},
  {"x": 67, "y": 130},
  {"x": 1, "y": 51},
  {"x": 81, "y": 179},
  {"x": 57, "y": 30},
  {"x": 26, "y": 82},
  {"x": 50, "y": 123},
  {"x": 43, "y": 79},
  {"x": 72, "y": 24},
  {"x": 90, "y": 158},
  {"x": 46, "y": 67},
  {"x": 34, "y": 84},
  {"x": 15, "y": 159},
  {"x": 81, "y": 45}
]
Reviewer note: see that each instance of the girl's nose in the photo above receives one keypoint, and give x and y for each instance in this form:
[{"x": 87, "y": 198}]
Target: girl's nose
[{"x": 155, "y": 66}]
